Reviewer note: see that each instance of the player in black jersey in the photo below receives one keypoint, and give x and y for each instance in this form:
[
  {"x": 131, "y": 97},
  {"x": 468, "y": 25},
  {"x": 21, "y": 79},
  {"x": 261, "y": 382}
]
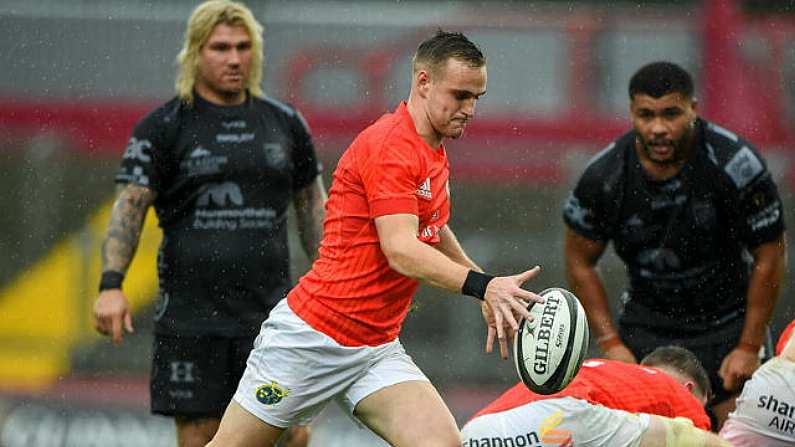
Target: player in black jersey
[
  {"x": 694, "y": 214},
  {"x": 220, "y": 163}
]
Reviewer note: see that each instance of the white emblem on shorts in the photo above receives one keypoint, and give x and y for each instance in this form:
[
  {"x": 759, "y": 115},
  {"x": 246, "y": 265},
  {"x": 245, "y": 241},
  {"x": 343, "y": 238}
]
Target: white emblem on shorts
[{"x": 271, "y": 393}]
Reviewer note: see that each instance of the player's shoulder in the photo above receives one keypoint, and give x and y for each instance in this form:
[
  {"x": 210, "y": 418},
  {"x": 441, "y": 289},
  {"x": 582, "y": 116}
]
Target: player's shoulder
[
  {"x": 736, "y": 159},
  {"x": 606, "y": 167},
  {"x": 275, "y": 106},
  {"x": 388, "y": 131},
  {"x": 167, "y": 114}
]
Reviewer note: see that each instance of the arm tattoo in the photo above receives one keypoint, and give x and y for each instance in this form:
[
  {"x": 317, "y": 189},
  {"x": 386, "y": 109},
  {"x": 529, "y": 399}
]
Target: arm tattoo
[
  {"x": 310, "y": 210},
  {"x": 126, "y": 223}
]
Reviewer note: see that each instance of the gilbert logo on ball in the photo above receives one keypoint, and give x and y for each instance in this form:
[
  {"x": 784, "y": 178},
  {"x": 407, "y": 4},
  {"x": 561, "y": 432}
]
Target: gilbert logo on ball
[{"x": 549, "y": 350}]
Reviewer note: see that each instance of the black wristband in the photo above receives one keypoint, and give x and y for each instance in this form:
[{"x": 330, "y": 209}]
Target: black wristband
[
  {"x": 475, "y": 284},
  {"x": 111, "y": 280}
]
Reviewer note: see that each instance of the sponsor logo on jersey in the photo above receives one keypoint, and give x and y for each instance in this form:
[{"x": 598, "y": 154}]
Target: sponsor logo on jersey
[
  {"x": 744, "y": 167},
  {"x": 704, "y": 214},
  {"x": 236, "y": 124},
  {"x": 271, "y": 393},
  {"x": 235, "y": 138},
  {"x": 766, "y": 217},
  {"x": 135, "y": 174},
  {"x": 784, "y": 413},
  {"x": 200, "y": 152},
  {"x": 136, "y": 150},
  {"x": 659, "y": 259},
  {"x": 201, "y": 161},
  {"x": 221, "y": 194},
  {"x": 551, "y": 433},
  {"x": 276, "y": 156},
  {"x": 529, "y": 439},
  {"x": 221, "y": 207},
  {"x": 665, "y": 201},
  {"x": 424, "y": 190}
]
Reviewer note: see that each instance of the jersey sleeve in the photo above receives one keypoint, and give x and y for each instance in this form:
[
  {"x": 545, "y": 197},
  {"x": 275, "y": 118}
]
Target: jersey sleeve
[
  {"x": 305, "y": 161},
  {"x": 757, "y": 200},
  {"x": 141, "y": 163},
  {"x": 390, "y": 180},
  {"x": 785, "y": 335},
  {"x": 587, "y": 210}
]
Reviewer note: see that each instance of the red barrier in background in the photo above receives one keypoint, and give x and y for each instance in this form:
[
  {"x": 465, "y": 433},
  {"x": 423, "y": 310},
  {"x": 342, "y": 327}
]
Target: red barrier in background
[{"x": 747, "y": 97}]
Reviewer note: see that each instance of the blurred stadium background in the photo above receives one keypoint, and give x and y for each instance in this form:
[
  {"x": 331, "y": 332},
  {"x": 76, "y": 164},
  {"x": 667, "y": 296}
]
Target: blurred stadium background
[{"x": 76, "y": 75}]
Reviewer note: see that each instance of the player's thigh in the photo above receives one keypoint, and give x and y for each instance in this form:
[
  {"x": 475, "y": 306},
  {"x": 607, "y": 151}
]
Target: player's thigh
[
  {"x": 240, "y": 428},
  {"x": 409, "y": 414},
  {"x": 294, "y": 370},
  {"x": 392, "y": 394}
]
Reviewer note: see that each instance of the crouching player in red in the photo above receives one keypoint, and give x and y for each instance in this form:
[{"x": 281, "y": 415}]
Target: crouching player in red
[
  {"x": 765, "y": 413},
  {"x": 609, "y": 404}
]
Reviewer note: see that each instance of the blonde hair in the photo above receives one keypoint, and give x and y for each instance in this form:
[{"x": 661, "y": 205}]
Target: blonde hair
[{"x": 201, "y": 24}]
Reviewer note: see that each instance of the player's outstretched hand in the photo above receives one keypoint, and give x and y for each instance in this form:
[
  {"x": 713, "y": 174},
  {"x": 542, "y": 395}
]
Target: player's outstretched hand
[
  {"x": 110, "y": 312},
  {"x": 738, "y": 367},
  {"x": 504, "y": 305}
]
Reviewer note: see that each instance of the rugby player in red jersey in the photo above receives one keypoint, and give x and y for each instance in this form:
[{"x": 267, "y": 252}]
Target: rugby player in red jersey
[
  {"x": 609, "y": 403},
  {"x": 386, "y": 229}
]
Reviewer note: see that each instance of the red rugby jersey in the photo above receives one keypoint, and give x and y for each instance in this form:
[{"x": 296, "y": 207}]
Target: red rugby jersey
[
  {"x": 782, "y": 340},
  {"x": 618, "y": 385},
  {"x": 351, "y": 294}
]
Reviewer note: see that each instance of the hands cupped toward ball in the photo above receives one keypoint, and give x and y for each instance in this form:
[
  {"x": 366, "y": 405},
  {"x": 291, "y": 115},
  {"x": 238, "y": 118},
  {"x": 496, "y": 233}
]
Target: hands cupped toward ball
[{"x": 504, "y": 305}]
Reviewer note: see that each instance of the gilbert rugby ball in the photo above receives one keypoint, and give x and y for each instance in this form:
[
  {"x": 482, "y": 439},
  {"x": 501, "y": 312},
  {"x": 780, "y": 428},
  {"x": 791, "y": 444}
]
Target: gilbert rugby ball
[{"x": 549, "y": 350}]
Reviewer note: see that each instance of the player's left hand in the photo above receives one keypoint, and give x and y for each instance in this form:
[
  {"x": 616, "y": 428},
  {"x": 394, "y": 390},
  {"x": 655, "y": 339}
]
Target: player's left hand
[
  {"x": 504, "y": 304},
  {"x": 738, "y": 367}
]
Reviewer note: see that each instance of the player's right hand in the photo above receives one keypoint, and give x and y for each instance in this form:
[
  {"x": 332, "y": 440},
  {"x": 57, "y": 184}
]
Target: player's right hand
[
  {"x": 110, "y": 313},
  {"x": 621, "y": 353},
  {"x": 505, "y": 305}
]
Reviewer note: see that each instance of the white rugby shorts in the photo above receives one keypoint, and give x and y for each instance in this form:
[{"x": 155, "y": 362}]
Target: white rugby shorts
[
  {"x": 559, "y": 421},
  {"x": 293, "y": 371}
]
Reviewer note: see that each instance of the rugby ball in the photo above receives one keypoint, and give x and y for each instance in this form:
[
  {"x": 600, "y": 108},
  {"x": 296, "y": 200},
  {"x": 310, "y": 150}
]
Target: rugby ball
[{"x": 549, "y": 350}]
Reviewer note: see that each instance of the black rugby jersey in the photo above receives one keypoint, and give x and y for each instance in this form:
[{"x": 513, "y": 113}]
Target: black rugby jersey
[
  {"x": 685, "y": 240},
  {"x": 224, "y": 176}
]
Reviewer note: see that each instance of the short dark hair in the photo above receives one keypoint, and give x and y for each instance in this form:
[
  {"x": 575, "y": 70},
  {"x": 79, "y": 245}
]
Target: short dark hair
[
  {"x": 659, "y": 79},
  {"x": 682, "y": 360},
  {"x": 444, "y": 45}
]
